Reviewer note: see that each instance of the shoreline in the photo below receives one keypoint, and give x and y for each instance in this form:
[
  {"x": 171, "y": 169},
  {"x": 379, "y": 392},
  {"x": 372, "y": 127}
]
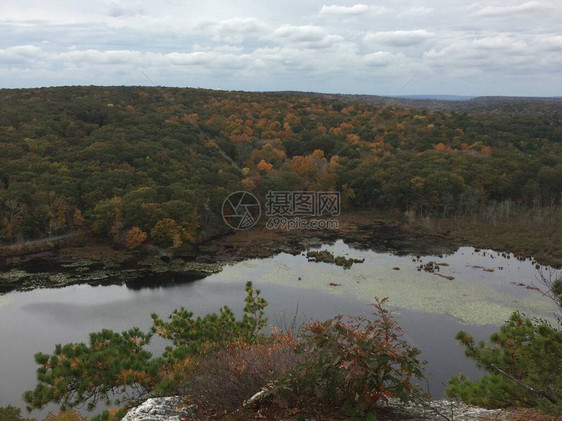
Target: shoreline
[{"x": 77, "y": 261}]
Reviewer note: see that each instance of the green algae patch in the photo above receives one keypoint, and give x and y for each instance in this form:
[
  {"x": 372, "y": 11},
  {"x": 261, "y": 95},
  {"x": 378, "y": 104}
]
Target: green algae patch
[
  {"x": 481, "y": 312},
  {"x": 157, "y": 265},
  {"x": 472, "y": 302},
  {"x": 13, "y": 276},
  {"x": 4, "y": 300}
]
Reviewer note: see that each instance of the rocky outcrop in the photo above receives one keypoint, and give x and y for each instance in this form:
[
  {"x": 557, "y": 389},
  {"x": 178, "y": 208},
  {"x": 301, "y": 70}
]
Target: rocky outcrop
[
  {"x": 170, "y": 409},
  {"x": 443, "y": 409},
  {"x": 158, "y": 409}
]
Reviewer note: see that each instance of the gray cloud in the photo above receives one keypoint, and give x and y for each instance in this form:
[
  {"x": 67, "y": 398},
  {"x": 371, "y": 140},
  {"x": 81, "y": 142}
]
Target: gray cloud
[
  {"x": 398, "y": 38},
  {"x": 500, "y": 47},
  {"x": 19, "y": 54},
  {"x": 356, "y": 9},
  {"x": 523, "y": 9},
  {"x": 414, "y": 11},
  {"x": 233, "y": 30}
]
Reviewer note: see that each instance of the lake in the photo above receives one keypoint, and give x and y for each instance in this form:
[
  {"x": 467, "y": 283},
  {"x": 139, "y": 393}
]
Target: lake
[{"x": 430, "y": 308}]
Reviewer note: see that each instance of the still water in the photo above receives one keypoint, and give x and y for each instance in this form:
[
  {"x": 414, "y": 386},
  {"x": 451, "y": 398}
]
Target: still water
[{"x": 430, "y": 308}]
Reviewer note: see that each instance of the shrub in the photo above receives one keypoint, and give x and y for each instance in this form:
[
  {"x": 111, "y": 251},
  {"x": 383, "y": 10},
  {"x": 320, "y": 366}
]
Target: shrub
[
  {"x": 524, "y": 360},
  {"x": 77, "y": 374},
  {"x": 192, "y": 336},
  {"x": 236, "y": 372},
  {"x": 111, "y": 415},
  {"x": 352, "y": 363},
  {"x": 115, "y": 367},
  {"x": 71, "y": 415},
  {"x": 195, "y": 338},
  {"x": 356, "y": 363},
  {"x": 11, "y": 413}
]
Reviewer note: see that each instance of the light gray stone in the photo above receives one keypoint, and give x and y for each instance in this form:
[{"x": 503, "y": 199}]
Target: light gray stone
[
  {"x": 158, "y": 409},
  {"x": 441, "y": 410},
  {"x": 166, "y": 409}
]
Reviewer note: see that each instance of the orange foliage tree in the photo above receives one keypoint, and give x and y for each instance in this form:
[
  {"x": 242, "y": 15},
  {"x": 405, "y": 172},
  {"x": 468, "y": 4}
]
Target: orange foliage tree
[
  {"x": 263, "y": 165},
  {"x": 134, "y": 238}
]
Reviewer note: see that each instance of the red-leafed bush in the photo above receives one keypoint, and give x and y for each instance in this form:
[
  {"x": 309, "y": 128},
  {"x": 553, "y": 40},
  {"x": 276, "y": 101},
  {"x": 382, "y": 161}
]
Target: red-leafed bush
[
  {"x": 356, "y": 363},
  {"x": 234, "y": 373}
]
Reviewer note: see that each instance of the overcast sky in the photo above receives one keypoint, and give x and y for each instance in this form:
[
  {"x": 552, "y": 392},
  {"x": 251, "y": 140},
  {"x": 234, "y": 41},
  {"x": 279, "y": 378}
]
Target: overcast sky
[{"x": 497, "y": 47}]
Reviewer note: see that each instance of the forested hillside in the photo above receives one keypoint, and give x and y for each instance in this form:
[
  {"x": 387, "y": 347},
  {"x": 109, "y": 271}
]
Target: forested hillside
[{"x": 130, "y": 164}]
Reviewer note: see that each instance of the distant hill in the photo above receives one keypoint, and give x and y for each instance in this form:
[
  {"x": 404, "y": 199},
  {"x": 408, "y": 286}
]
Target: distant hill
[
  {"x": 438, "y": 97},
  {"x": 479, "y": 98},
  {"x": 434, "y": 102},
  {"x": 517, "y": 105},
  {"x": 526, "y": 99}
]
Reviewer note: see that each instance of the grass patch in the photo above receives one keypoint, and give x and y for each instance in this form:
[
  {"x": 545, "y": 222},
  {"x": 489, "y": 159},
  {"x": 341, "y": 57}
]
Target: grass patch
[{"x": 526, "y": 232}]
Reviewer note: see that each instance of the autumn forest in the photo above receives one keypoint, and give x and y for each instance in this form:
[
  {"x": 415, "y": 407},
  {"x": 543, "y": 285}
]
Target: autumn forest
[{"x": 131, "y": 165}]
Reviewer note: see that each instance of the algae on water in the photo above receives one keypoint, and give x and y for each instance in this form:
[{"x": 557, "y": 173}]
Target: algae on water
[
  {"x": 4, "y": 300},
  {"x": 472, "y": 298}
]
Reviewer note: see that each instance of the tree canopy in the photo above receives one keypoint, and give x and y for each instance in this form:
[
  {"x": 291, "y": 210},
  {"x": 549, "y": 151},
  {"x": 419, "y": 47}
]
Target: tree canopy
[{"x": 125, "y": 162}]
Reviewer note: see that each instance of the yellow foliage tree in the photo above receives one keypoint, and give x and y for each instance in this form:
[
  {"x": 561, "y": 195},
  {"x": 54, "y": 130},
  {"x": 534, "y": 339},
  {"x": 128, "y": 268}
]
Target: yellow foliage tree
[
  {"x": 77, "y": 218},
  {"x": 167, "y": 233},
  {"x": 418, "y": 183}
]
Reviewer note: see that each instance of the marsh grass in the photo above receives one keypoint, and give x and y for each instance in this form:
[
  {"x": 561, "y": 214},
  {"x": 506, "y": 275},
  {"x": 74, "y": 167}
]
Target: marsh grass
[{"x": 527, "y": 232}]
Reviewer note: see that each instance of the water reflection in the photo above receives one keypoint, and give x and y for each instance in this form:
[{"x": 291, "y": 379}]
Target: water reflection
[{"x": 162, "y": 280}]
